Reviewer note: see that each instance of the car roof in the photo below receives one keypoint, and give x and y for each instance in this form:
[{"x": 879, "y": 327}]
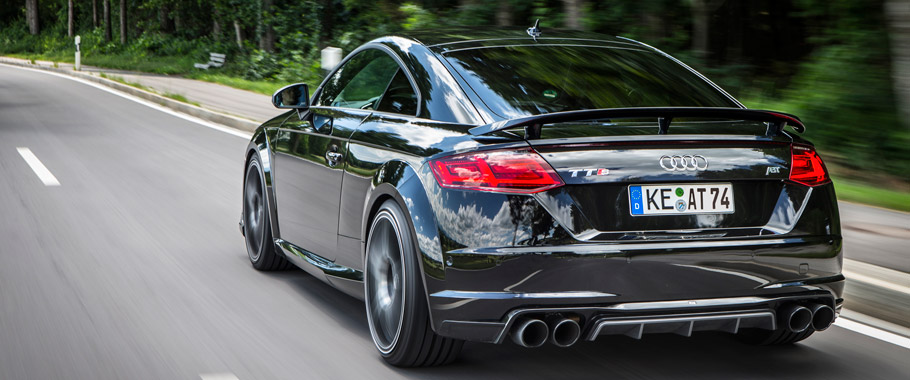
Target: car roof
[{"x": 442, "y": 40}]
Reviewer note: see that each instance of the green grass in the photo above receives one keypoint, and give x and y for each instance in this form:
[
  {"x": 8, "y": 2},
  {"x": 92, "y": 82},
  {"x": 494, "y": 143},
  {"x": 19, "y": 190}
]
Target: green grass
[
  {"x": 161, "y": 65},
  {"x": 147, "y": 64},
  {"x": 171, "y": 95},
  {"x": 180, "y": 98},
  {"x": 124, "y": 81},
  {"x": 872, "y": 195},
  {"x": 120, "y": 61},
  {"x": 262, "y": 87}
]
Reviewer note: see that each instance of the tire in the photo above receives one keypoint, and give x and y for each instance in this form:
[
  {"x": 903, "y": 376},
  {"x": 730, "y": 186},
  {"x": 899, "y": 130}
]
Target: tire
[
  {"x": 777, "y": 337},
  {"x": 396, "y": 305},
  {"x": 257, "y": 228}
]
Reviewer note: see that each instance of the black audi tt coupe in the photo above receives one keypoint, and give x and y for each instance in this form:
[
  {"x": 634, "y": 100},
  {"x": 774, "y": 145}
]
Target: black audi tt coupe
[{"x": 543, "y": 188}]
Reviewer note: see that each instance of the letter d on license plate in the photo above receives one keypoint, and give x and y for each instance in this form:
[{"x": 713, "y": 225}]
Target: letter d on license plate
[{"x": 708, "y": 198}]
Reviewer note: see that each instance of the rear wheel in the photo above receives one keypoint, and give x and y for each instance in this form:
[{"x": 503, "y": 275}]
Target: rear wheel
[
  {"x": 257, "y": 229},
  {"x": 395, "y": 300}
]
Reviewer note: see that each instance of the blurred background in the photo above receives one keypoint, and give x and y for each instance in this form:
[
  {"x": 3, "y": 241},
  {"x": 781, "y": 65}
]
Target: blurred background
[{"x": 841, "y": 65}]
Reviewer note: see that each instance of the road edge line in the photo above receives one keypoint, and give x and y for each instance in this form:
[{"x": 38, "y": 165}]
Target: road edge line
[
  {"x": 873, "y": 332},
  {"x": 111, "y": 89}
]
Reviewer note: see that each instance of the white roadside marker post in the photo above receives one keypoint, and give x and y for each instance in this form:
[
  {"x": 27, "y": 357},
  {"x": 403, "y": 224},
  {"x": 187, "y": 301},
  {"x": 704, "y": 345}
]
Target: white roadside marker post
[
  {"x": 78, "y": 54},
  {"x": 331, "y": 57}
]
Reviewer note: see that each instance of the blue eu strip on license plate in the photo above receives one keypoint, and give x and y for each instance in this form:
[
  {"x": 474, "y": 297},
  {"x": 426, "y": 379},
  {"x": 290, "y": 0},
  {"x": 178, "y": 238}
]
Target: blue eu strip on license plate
[{"x": 668, "y": 199}]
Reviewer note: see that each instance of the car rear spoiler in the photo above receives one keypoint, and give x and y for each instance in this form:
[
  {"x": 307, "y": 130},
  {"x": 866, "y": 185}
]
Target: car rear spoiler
[{"x": 532, "y": 124}]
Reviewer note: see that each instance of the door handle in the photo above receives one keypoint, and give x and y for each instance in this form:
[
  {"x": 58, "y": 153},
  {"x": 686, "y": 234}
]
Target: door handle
[{"x": 332, "y": 157}]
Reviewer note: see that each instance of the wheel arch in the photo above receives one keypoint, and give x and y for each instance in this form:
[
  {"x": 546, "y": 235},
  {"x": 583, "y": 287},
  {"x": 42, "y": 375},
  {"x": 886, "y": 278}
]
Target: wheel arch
[
  {"x": 399, "y": 181},
  {"x": 259, "y": 146}
]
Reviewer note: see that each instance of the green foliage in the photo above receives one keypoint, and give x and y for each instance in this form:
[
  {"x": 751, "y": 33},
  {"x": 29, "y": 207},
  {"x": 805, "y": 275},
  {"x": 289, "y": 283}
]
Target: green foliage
[
  {"x": 416, "y": 17},
  {"x": 843, "y": 91}
]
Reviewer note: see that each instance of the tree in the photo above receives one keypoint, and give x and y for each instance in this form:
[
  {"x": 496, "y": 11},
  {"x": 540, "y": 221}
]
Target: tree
[
  {"x": 123, "y": 12},
  {"x": 31, "y": 15},
  {"x": 572, "y": 9},
  {"x": 238, "y": 33},
  {"x": 107, "y": 21},
  {"x": 164, "y": 17},
  {"x": 69, "y": 18},
  {"x": 701, "y": 25},
  {"x": 267, "y": 34},
  {"x": 504, "y": 13},
  {"x": 898, "y": 15},
  {"x": 94, "y": 13}
]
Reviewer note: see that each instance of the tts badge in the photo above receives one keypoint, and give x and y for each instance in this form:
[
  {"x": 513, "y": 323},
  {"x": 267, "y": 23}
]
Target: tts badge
[{"x": 589, "y": 172}]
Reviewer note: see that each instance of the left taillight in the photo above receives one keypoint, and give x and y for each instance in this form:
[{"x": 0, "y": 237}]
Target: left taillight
[
  {"x": 806, "y": 166},
  {"x": 506, "y": 171}
]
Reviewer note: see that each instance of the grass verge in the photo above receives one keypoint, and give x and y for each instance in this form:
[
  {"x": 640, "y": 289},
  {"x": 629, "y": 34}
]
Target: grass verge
[
  {"x": 124, "y": 81},
  {"x": 180, "y": 98},
  {"x": 161, "y": 65},
  {"x": 871, "y": 195},
  {"x": 122, "y": 61},
  {"x": 171, "y": 95}
]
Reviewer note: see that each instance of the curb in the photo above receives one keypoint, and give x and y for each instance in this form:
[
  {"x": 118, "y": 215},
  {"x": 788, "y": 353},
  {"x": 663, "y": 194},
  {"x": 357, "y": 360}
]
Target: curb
[
  {"x": 189, "y": 109},
  {"x": 878, "y": 292}
]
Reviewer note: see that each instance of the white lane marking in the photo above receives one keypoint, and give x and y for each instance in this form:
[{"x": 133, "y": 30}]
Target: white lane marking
[
  {"x": 877, "y": 282},
  {"x": 218, "y": 127},
  {"x": 218, "y": 376},
  {"x": 873, "y": 332},
  {"x": 40, "y": 170}
]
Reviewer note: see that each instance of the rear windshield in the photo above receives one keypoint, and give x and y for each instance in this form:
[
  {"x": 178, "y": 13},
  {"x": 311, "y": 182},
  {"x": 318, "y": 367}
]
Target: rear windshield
[{"x": 523, "y": 80}]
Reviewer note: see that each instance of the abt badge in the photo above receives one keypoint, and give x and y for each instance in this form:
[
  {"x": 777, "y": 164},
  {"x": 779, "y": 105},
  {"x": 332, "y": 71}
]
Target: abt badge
[
  {"x": 589, "y": 172},
  {"x": 772, "y": 170}
]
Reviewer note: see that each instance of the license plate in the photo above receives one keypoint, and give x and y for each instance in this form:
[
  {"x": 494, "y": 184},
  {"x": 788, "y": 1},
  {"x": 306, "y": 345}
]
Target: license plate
[{"x": 707, "y": 198}]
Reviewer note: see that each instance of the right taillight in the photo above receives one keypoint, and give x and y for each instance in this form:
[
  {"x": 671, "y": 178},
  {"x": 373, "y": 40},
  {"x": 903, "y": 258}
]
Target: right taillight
[
  {"x": 505, "y": 171},
  {"x": 807, "y": 167}
]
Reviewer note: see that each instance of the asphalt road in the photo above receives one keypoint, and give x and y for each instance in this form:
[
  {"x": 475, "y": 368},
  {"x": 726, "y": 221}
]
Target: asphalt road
[{"x": 133, "y": 268}]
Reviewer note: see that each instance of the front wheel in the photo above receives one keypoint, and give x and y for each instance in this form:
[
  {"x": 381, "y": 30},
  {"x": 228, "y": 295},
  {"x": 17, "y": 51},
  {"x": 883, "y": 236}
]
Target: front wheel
[
  {"x": 257, "y": 228},
  {"x": 395, "y": 301}
]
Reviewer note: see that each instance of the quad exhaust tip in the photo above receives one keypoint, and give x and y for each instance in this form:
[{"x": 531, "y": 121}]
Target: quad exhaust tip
[
  {"x": 822, "y": 316},
  {"x": 530, "y": 333},
  {"x": 564, "y": 332},
  {"x": 796, "y": 318}
]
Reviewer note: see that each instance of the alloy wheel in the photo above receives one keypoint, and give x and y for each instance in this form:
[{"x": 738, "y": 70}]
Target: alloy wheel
[{"x": 385, "y": 282}]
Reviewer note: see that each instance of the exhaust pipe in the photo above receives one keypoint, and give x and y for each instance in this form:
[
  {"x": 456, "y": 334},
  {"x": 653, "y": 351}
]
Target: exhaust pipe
[
  {"x": 564, "y": 332},
  {"x": 795, "y": 317},
  {"x": 822, "y": 316},
  {"x": 530, "y": 333}
]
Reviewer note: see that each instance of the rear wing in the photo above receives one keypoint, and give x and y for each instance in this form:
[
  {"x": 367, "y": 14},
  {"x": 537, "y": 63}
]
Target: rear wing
[{"x": 532, "y": 124}]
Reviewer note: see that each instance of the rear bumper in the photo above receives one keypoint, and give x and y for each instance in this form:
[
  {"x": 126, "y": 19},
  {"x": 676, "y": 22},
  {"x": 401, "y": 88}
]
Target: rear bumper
[
  {"x": 681, "y": 317},
  {"x": 695, "y": 283}
]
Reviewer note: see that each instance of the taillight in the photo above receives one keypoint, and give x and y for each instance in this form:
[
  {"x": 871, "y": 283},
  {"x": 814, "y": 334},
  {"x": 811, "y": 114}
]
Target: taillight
[
  {"x": 807, "y": 167},
  {"x": 507, "y": 171}
]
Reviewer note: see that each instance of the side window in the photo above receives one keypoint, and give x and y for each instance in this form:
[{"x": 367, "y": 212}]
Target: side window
[
  {"x": 360, "y": 82},
  {"x": 399, "y": 97}
]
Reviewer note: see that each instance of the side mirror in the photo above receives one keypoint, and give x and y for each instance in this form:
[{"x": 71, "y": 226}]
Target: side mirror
[{"x": 295, "y": 96}]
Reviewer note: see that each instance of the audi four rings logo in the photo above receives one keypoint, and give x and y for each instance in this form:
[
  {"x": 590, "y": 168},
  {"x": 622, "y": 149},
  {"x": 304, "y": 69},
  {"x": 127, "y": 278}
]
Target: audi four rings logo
[{"x": 683, "y": 163}]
